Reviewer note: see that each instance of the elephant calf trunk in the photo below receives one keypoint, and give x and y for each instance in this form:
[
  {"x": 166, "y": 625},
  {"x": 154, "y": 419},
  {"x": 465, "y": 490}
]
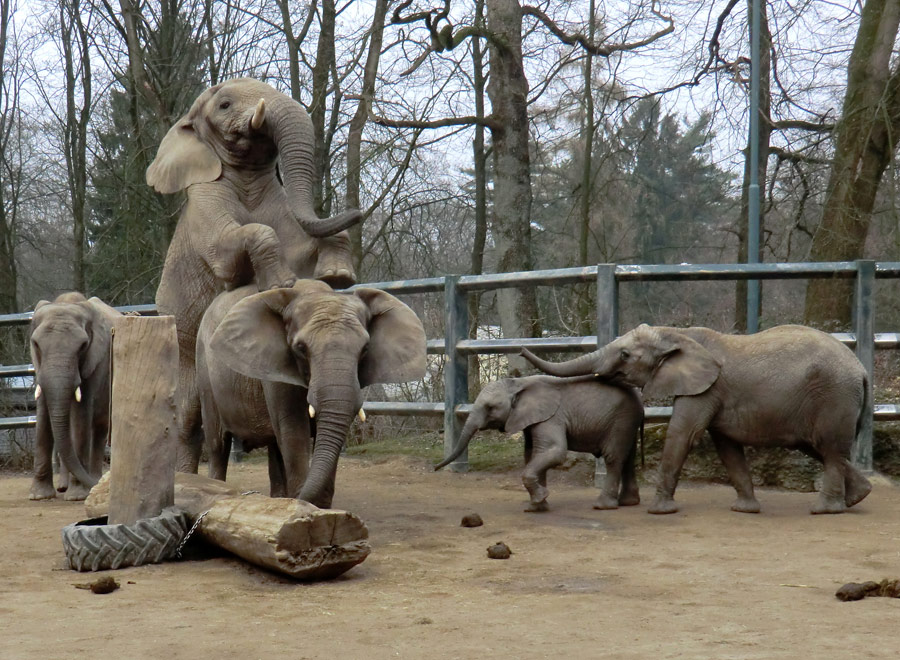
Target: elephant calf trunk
[{"x": 468, "y": 431}]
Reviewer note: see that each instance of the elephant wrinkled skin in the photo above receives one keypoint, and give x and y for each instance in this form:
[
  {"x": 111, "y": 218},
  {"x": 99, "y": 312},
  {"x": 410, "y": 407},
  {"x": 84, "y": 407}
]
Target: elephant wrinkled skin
[
  {"x": 70, "y": 340},
  {"x": 266, "y": 361},
  {"x": 788, "y": 386},
  {"x": 240, "y": 221},
  {"x": 556, "y": 414}
]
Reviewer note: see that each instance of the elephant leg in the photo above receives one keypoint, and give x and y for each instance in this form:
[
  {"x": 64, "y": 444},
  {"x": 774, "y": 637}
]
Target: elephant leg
[
  {"x": 291, "y": 425},
  {"x": 277, "y": 478},
  {"x": 735, "y": 462},
  {"x": 856, "y": 486},
  {"x": 335, "y": 261},
  {"x": 549, "y": 451},
  {"x": 218, "y": 443},
  {"x": 832, "y": 494},
  {"x": 42, "y": 483},
  {"x": 609, "y": 493},
  {"x": 190, "y": 440},
  {"x": 690, "y": 418},
  {"x": 629, "y": 493}
]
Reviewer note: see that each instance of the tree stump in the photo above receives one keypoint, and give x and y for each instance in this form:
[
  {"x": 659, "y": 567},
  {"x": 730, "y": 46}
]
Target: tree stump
[
  {"x": 282, "y": 534},
  {"x": 142, "y": 417}
]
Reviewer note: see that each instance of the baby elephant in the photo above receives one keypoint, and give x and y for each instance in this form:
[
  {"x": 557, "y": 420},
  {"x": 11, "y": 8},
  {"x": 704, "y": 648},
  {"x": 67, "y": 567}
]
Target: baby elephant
[{"x": 556, "y": 414}]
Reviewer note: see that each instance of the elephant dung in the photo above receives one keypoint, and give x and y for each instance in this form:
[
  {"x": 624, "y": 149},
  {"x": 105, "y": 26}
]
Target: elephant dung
[
  {"x": 499, "y": 551},
  {"x": 278, "y": 533},
  {"x": 471, "y": 520}
]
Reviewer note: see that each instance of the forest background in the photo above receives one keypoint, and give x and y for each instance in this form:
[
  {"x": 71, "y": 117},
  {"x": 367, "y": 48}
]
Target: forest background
[{"x": 479, "y": 136}]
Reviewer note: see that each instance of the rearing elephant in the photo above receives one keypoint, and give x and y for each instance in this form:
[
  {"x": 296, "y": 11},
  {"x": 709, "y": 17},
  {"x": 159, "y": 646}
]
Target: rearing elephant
[
  {"x": 240, "y": 222},
  {"x": 788, "y": 386},
  {"x": 70, "y": 340}
]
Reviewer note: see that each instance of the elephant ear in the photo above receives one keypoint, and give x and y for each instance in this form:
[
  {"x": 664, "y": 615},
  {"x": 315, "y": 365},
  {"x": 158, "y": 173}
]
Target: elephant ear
[
  {"x": 686, "y": 368},
  {"x": 183, "y": 159},
  {"x": 251, "y": 338},
  {"x": 102, "y": 319},
  {"x": 396, "y": 340},
  {"x": 535, "y": 402}
]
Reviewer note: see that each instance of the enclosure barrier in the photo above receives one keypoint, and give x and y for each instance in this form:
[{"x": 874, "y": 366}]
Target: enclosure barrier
[{"x": 457, "y": 346}]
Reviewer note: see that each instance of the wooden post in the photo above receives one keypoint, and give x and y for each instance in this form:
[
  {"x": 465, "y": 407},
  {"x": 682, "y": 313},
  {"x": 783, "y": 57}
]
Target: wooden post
[{"x": 142, "y": 412}]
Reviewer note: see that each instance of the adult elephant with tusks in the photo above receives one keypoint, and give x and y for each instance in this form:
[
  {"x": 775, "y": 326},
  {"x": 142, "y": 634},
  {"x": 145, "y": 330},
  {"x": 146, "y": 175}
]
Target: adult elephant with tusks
[
  {"x": 788, "y": 386},
  {"x": 242, "y": 223},
  {"x": 70, "y": 339},
  {"x": 268, "y": 362}
]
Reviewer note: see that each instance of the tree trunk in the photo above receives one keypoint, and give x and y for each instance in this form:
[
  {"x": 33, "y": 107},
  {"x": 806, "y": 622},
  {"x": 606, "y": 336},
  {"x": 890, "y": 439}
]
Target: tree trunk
[
  {"x": 354, "y": 137},
  {"x": 480, "y": 160},
  {"x": 511, "y": 218},
  {"x": 765, "y": 133},
  {"x": 865, "y": 145},
  {"x": 320, "y": 77}
]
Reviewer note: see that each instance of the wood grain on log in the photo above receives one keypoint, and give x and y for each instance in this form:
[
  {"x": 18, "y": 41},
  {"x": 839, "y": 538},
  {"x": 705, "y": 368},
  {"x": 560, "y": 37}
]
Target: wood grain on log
[
  {"x": 142, "y": 417},
  {"x": 282, "y": 534}
]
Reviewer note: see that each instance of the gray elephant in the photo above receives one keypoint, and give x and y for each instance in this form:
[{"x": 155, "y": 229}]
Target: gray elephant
[
  {"x": 269, "y": 361},
  {"x": 789, "y": 386},
  {"x": 240, "y": 222},
  {"x": 556, "y": 414},
  {"x": 70, "y": 340}
]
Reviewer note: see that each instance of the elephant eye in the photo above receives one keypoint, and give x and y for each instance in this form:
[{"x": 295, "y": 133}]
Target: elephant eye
[
  {"x": 625, "y": 354},
  {"x": 224, "y": 105},
  {"x": 301, "y": 349}
]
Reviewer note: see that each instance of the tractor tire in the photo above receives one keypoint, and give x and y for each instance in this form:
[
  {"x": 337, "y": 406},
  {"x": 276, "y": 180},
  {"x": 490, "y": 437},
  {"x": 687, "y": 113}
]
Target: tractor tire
[{"x": 92, "y": 545}]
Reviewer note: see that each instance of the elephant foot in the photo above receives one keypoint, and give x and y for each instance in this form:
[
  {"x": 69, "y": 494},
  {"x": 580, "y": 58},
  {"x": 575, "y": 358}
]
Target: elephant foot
[
  {"x": 855, "y": 489},
  {"x": 41, "y": 490},
  {"x": 605, "y": 502},
  {"x": 663, "y": 505},
  {"x": 76, "y": 493},
  {"x": 745, "y": 505},
  {"x": 631, "y": 499},
  {"x": 282, "y": 281},
  {"x": 337, "y": 278},
  {"x": 537, "y": 507},
  {"x": 826, "y": 505}
]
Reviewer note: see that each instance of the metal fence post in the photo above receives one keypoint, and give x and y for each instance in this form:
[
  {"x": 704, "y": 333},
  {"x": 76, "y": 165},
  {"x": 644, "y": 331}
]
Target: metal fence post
[
  {"x": 456, "y": 367},
  {"x": 607, "y": 330},
  {"x": 864, "y": 326}
]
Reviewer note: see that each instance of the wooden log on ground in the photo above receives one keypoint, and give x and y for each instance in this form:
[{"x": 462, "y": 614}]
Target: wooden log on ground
[
  {"x": 282, "y": 534},
  {"x": 142, "y": 417}
]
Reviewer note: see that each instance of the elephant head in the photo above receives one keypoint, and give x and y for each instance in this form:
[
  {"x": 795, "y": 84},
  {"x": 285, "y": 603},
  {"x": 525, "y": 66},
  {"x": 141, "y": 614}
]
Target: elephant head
[
  {"x": 510, "y": 405},
  {"x": 69, "y": 344},
  {"x": 331, "y": 343},
  {"x": 244, "y": 124},
  {"x": 661, "y": 361}
]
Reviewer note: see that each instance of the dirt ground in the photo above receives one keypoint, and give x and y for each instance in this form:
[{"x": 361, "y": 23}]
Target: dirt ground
[{"x": 703, "y": 583}]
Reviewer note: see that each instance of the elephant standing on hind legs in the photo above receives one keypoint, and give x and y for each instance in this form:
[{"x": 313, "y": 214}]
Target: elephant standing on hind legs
[
  {"x": 240, "y": 222},
  {"x": 560, "y": 414},
  {"x": 788, "y": 386},
  {"x": 70, "y": 340}
]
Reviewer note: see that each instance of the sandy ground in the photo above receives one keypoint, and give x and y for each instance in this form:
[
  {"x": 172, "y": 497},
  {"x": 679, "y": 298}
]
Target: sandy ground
[{"x": 703, "y": 583}]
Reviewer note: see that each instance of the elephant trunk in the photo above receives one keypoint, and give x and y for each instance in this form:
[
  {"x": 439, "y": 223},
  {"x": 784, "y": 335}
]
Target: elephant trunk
[
  {"x": 60, "y": 397},
  {"x": 470, "y": 428},
  {"x": 337, "y": 406},
  {"x": 580, "y": 366},
  {"x": 293, "y": 135}
]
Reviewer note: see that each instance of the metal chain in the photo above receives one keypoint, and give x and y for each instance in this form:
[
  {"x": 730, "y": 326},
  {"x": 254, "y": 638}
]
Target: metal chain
[
  {"x": 197, "y": 524},
  {"x": 190, "y": 533}
]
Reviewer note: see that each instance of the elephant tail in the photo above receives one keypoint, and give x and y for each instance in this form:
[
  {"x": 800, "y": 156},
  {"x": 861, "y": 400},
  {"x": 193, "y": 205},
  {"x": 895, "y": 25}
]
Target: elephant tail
[{"x": 866, "y": 406}]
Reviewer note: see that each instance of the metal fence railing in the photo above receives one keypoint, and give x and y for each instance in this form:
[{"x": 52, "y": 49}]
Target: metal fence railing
[{"x": 457, "y": 346}]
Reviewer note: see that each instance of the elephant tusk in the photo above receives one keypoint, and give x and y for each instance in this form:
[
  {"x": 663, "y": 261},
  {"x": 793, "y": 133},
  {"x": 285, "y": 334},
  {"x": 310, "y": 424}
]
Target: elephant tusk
[
  {"x": 37, "y": 392},
  {"x": 78, "y": 394},
  {"x": 259, "y": 115},
  {"x": 362, "y": 415},
  {"x": 312, "y": 411}
]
